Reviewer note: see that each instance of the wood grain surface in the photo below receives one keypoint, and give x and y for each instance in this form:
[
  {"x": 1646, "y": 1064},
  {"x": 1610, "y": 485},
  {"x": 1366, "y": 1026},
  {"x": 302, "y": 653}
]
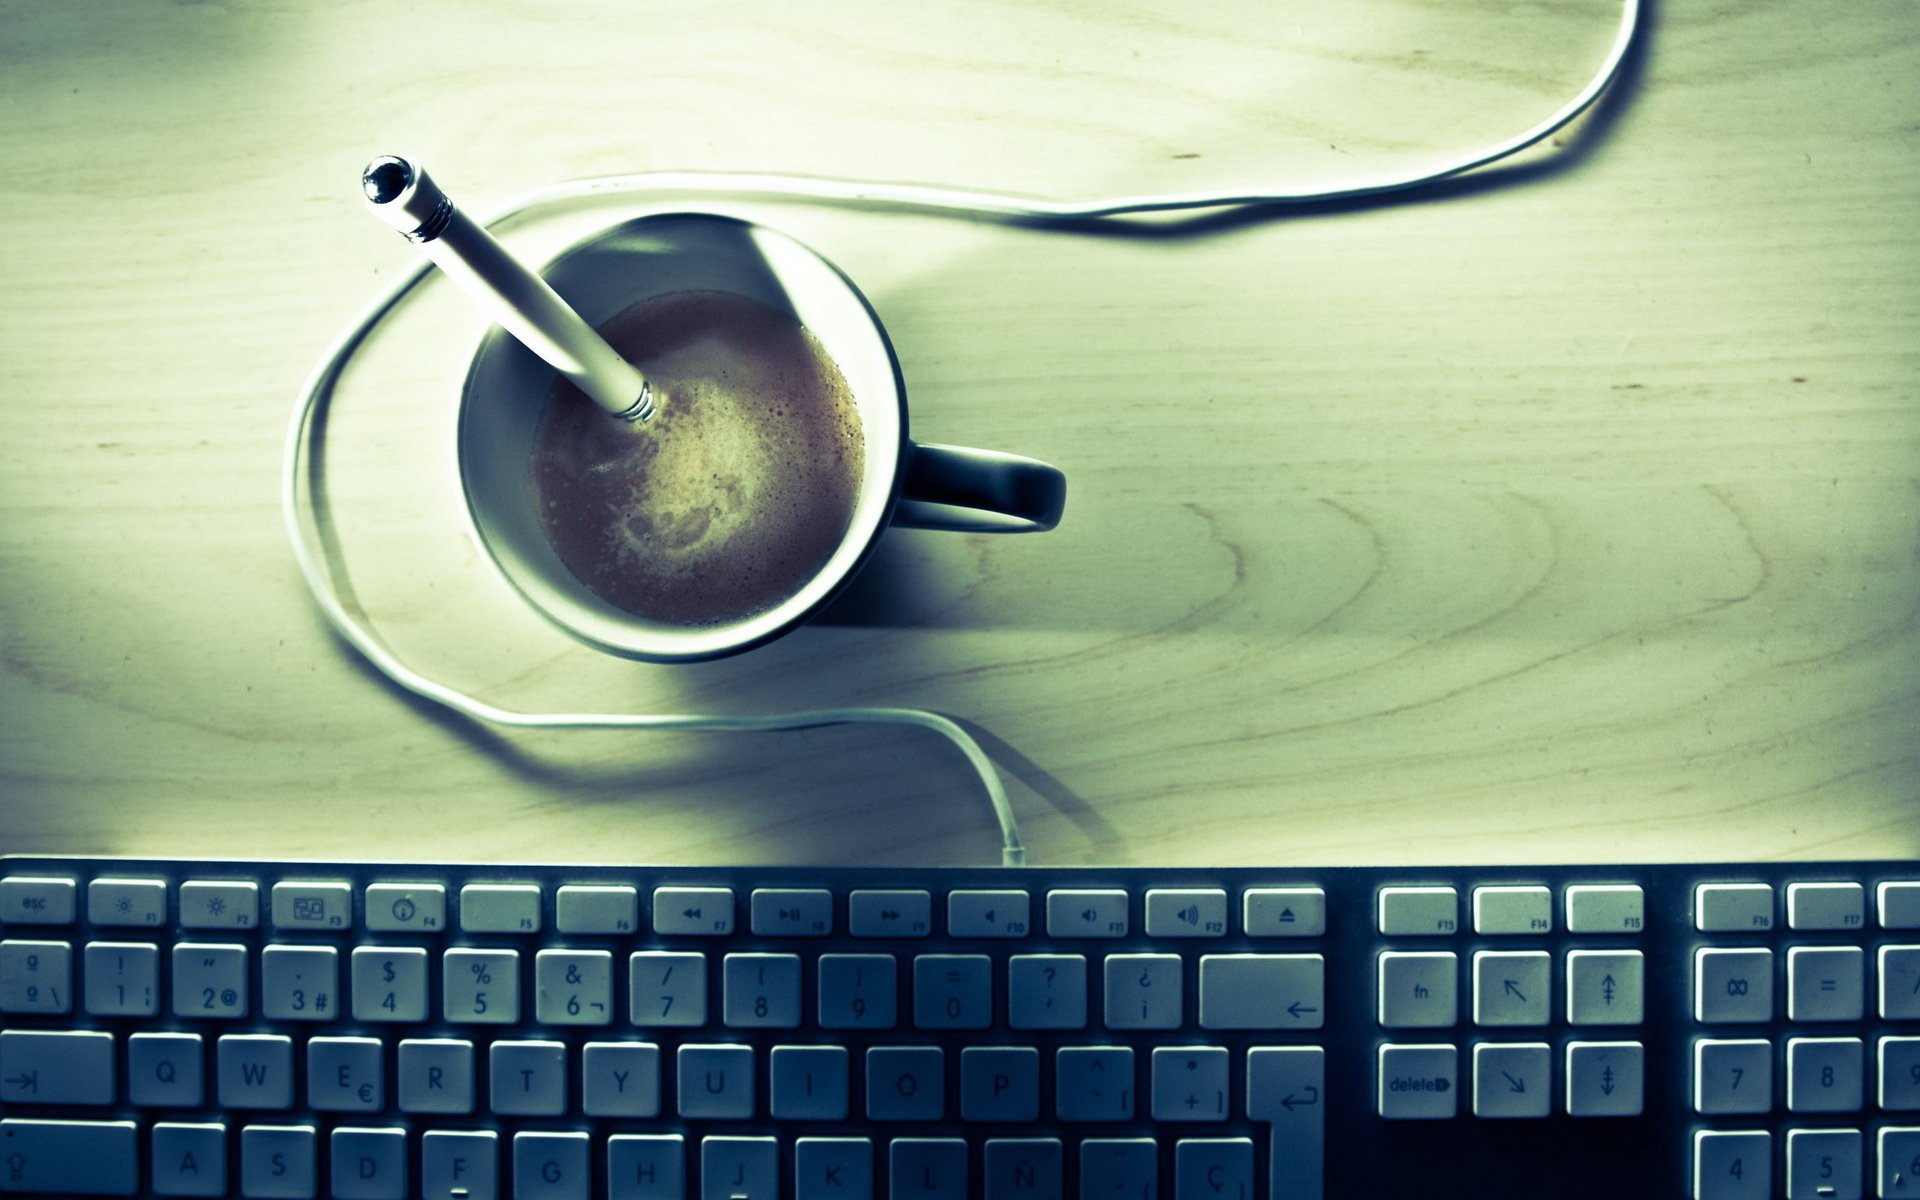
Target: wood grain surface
[{"x": 1570, "y": 512}]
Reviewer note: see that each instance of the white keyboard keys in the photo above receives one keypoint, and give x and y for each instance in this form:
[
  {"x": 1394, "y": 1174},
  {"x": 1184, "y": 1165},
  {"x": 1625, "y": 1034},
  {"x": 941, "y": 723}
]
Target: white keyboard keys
[
  {"x": 1826, "y": 983},
  {"x": 620, "y": 1079},
  {"x": 832, "y": 1168},
  {"x": 69, "y": 1158},
  {"x": 1047, "y": 991},
  {"x": 858, "y": 991},
  {"x": 808, "y": 1083},
  {"x": 166, "y": 1070},
  {"x": 1605, "y": 987},
  {"x": 406, "y": 907},
  {"x": 123, "y": 979},
  {"x": 1284, "y": 1087},
  {"x": 255, "y": 1070},
  {"x": 1900, "y": 983},
  {"x": 1513, "y": 909},
  {"x": 300, "y": 983},
  {"x": 1262, "y": 991},
  {"x": 278, "y": 1162},
  {"x": 389, "y": 983},
  {"x": 1018, "y": 1168},
  {"x": 1511, "y": 1079},
  {"x": 1732, "y": 1165},
  {"x": 1116, "y": 1167},
  {"x": 952, "y": 991},
  {"x": 1419, "y": 911},
  {"x": 1733, "y": 907},
  {"x": 988, "y": 913},
  {"x": 436, "y": 1075},
  {"x": 1189, "y": 1083},
  {"x": 480, "y": 987},
  {"x": 1418, "y": 990},
  {"x": 646, "y": 1166},
  {"x": 37, "y": 900},
  {"x": 790, "y": 912},
  {"x": 500, "y": 908},
  {"x": 716, "y": 1082},
  {"x": 1284, "y": 912},
  {"x": 1143, "y": 991},
  {"x": 311, "y": 905},
  {"x": 1899, "y": 1074},
  {"x": 551, "y": 1166},
  {"x": 667, "y": 989},
  {"x": 738, "y": 1166},
  {"x": 1605, "y": 908},
  {"x": 1732, "y": 987},
  {"x": 36, "y": 977},
  {"x": 189, "y": 1159},
  {"x": 693, "y": 911},
  {"x": 1093, "y": 1083},
  {"x": 1732, "y": 1076},
  {"x": 761, "y": 991},
  {"x": 527, "y": 1078},
  {"x": 368, "y": 1164},
  {"x": 344, "y": 1074},
  {"x": 881, "y": 913},
  {"x": 1212, "y": 1168},
  {"x": 1605, "y": 1079},
  {"x": 1826, "y": 906},
  {"x": 49, "y": 1067},
  {"x": 1899, "y": 903},
  {"x": 1899, "y": 1162},
  {"x": 1418, "y": 1083},
  {"x": 460, "y": 1165},
  {"x": 219, "y": 904},
  {"x": 1186, "y": 912},
  {"x": 210, "y": 980},
  {"x": 927, "y": 1168},
  {"x": 1823, "y": 1164},
  {"x": 1000, "y": 1083},
  {"x": 1825, "y": 1075},
  {"x": 1510, "y": 987},
  {"x": 906, "y": 1083},
  {"x": 573, "y": 987},
  {"x": 1087, "y": 913},
  {"x": 140, "y": 902},
  {"x": 597, "y": 909}
]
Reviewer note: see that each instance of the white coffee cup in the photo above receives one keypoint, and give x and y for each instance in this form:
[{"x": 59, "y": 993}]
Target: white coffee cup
[{"x": 904, "y": 482}]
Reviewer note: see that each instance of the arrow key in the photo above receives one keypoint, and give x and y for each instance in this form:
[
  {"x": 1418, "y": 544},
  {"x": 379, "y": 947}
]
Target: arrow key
[
  {"x": 1510, "y": 987},
  {"x": 1604, "y": 987},
  {"x": 1604, "y": 1079},
  {"x": 1511, "y": 1080}
]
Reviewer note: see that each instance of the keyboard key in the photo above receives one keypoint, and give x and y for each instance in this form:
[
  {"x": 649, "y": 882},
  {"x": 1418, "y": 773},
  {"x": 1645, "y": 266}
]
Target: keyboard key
[
  {"x": 1733, "y": 907},
  {"x": 1899, "y": 1162},
  {"x": 300, "y": 983},
  {"x": 1733, "y": 987},
  {"x": 791, "y": 912},
  {"x": 761, "y": 991},
  {"x": 808, "y": 1083},
  {"x": 1212, "y": 1168},
  {"x": 1262, "y": 991},
  {"x": 344, "y": 1074},
  {"x": 667, "y": 989},
  {"x": 1729, "y": 1165},
  {"x": 927, "y": 1169},
  {"x": 436, "y": 1075},
  {"x": 368, "y": 1164},
  {"x": 1826, "y": 906},
  {"x": 952, "y": 991},
  {"x": 1186, "y": 912},
  {"x": 1000, "y": 1083},
  {"x": 693, "y": 911},
  {"x": 1418, "y": 990},
  {"x": 1023, "y": 1168},
  {"x": 480, "y": 987},
  {"x": 165, "y": 1070},
  {"x": 832, "y": 1168},
  {"x": 123, "y": 979},
  {"x": 573, "y": 987},
  {"x": 987, "y": 914},
  {"x": 219, "y": 904},
  {"x": 597, "y": 909},
  {"x": 1826, "y": 983},
  {"x": 1605, "y": 1079},
  {"x": 277, "y": 1162},
  {"x": 1513, "y": 909},
  {"x": 210, "y": 981},
  {"x": 69, "y": 1158},
  {"x": 1143, "y": 991},
  {"x": 141, "y": 902},
  {"x": 1899, "y": 1074},
  {"x": 1732, "y": 1077},
  {"x": 1189, "y": 1083},
  {"x": 1825, "y": 1074},
  {"x": 1284, "y": 912},
  {"x": 37, "y": 900},
  {"x": 1284, "y": 1085},
  {"x": 255, "y": 1070},
  {"x": 1899, "y": 905},
  {"x": 906, "y": 1083},
  {"x": 552, "y": 1166},
  {"x": 716, "y": 1082},
  {"x": 56, "y": 1067},
  {"x": 620, "y": 1079},
  {"x": 1419, "y": 911},
  {"x": 1118, "y": 1167},
  {"x": 1510, "y": 987},
  {"x": 734, "y": 1167},
  {"x": 1511, "y": 1080},
  {"x": 311, "y": 905},
  {"x": 1823, "y": 1163},
  {"x": 646, "y": 1166},
  {"x": 1047, "y": 991},
  {"x": 858, "y": 991},
  {"x": 189, "y": 1159},
  {"x": 1900, "y": 983},
  {"x": 1418, "y": 1083},
  {"x": 463, "y": 1164},
  {"x": 527, "y": 1078},
  {"x": 36, "y": 977},
  {"x": 1093, "y": 1083},
  {"x": 1605, "y": 987},
  {"x": 1087, "y": 913},
  {"x": 406, "y": 907},
  {"x": 875, "y": 913},
  {"x": 500, "y": 908},
  {"x": 389, "y": 983},
  {"x": 1605, "y": 908}
]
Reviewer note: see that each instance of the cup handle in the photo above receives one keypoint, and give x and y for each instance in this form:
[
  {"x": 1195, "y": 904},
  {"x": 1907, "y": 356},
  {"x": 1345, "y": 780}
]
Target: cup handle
[{"x": 978, "y": 491}]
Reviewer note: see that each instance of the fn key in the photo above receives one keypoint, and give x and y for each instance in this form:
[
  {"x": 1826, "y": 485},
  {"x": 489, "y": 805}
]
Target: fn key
[{"x": 68, "y": 1158}]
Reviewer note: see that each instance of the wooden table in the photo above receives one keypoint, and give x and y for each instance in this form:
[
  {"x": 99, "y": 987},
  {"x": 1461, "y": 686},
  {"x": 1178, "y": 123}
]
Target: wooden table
[{"x": 1568, "y": 513}]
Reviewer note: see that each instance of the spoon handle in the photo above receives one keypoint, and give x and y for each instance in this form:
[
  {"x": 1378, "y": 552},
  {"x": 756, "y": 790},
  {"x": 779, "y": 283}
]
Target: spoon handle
[{"x": 402, "y": 195}]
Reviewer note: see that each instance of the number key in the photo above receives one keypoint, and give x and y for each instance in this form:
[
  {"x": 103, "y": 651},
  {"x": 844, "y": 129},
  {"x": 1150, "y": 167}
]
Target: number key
[
  {"x": 668, "y": 988},
  {"x": 1732, "y": 1076},
  {"x": 36, "y": 977},
  {"x": 209, "y": 981},
  {"x": 573, "y": 987},
  {"x": 481, "y": 987},
  {"x": 389, "y": 983},
  {"x": 1732, "y": 1165}
]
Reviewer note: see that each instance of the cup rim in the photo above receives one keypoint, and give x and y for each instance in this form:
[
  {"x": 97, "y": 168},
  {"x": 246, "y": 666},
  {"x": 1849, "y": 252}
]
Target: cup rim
[{"x": 645, "y": 644}]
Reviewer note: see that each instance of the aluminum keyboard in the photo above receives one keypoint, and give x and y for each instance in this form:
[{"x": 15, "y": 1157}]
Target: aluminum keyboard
[{"x": 368, "y": 1031}]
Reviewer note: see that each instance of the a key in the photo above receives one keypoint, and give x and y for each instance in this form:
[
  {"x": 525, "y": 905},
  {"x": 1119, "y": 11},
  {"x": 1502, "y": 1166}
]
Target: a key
[
  {"x": 646, "y": 1166},
  {"x": 988, "y": 913},
  {"x": 1605, "y": 1079},
  {"x": 460, "y": 1165},
  {"x": 906, "y": 1083},
  {"x": 667, "y": 989},
  {"x": 832, "y": 1168},
  {"x": 1087, "y": 913},
  {"x": 166, "y": 1070},
  {"x": 573, "y": 987},
  {"x": 123, "y": 979},
  {"x": 278, "y": 1162},
  {"x": 300, "y": 983},
  {"x": 1000, "y": 1083},
  {"x": 368, "y": 1164},
  {"x": 1733, "y": 1076},
  {"x": 406, "y": 907},
  {"x": 1418, "y": 990},
  {"x": 210, "y": 981},
  {"x": 527, "y": 1078},
  {"x": 1826, "y": 983},
  {"x": 480, "y": 987},
  {"x": 436, "y": 1075},
  {"x": 255, "y": 1070},
  {"x": 1899, "y": 1074},
  {"x": 139, "y": 902},
  {"x": 344, "y": 1074},
  {"x": 1606, "y": 908},
  {"x": 1023, "y": 1168},
  {"x": 1143, "y": 991},
  {"x": 791, "y": 912},
  {"x": 1186, "y": 912},
  {"x": 37, "y": 900},
  {"x": 189, "y": 1159},
  {"x": 36, "y": 977},
  {"x": 1284, "y": 1090},
  {"x": 693, "y": 911},
  {"x": 952, "y": 991},
  {"x": 739, "y": 1168},
  {"x": 1047, "y": 991},
  {"x": 1825, "y": 1074},
  {"x": 1418, "y": 1082},
  {"x": 1733, "y": 987},
  {"x": 551, "y": 1166},
  {"x": 1093, "y": 1083},
  {"x": 927, "y": 1169},
  {"x": 761, "y": 991},
  {"x": 1510, "y": 988},
  {"x": 1733, "y": 907},
  {"x": 1119, "y": 1169},
  {"x": 620, "y": 1079},
  {"x": 389, "y": 984},
  {"x": 1516, "y": 909},
  {"x": 597, "y": 909},
  {"x": 716, "y": 1082},
  {"x": 311, "y": 905},
  {"x": 49, "y": 1067},
  {"x": 1189, "y": 1083},
  {"x": 1823, "y": 1164},
  {"x": 1900, "y": 983},
  {"x": 884, "y": 913},
  {"x": 1262, "y": 991},
  {"x": 1418, "y": 911},
  {"x": 1511, "y": 1080},
  {"x": 500, "y": 908},
  {"x": 69, "y": 1158},
  {"x": 1284, "y": 912},
  {"x": 219, "y": 904},
  {"x": 858, "y": 991},
  {"x": 1605, "y": 987},
  {"x": 1213, "y": 1169},
  {"x": 1732, "y": 1165},
  {"x": 1826, "y": 906},
  {"x": 808, "y": 1083}
]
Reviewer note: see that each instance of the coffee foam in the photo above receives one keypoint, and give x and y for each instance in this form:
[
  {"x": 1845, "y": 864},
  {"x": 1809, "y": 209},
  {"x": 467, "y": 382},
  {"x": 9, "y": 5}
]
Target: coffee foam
[{"x": 738, "y": 490}]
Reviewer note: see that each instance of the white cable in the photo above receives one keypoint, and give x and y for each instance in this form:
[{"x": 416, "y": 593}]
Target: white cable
[{"x": 317, "y": 391}]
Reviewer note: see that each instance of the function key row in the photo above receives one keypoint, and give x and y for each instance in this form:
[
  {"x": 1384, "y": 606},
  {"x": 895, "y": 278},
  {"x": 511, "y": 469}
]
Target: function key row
[{"x": 1511, "y": 909}]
